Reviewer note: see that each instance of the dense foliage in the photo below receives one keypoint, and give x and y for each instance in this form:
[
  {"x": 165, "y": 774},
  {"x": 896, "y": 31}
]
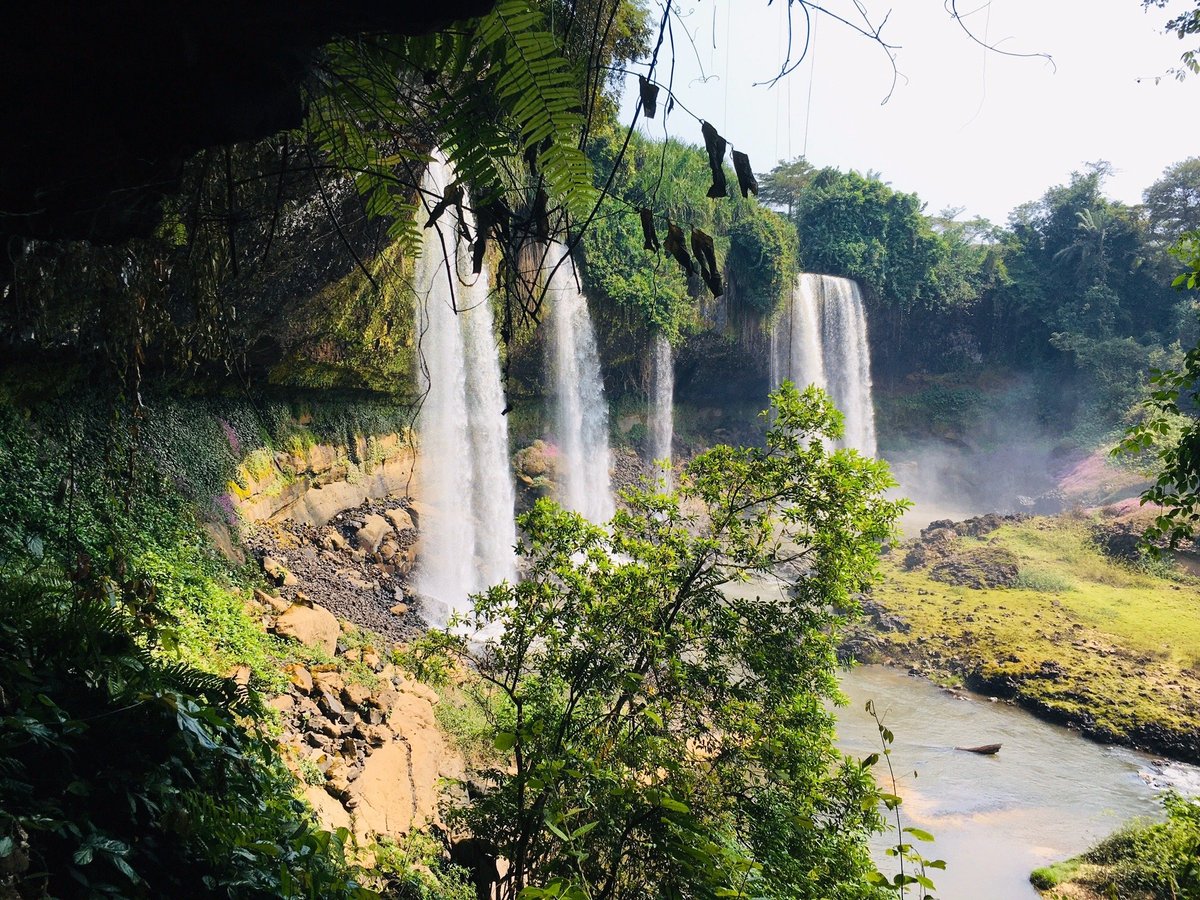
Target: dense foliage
[
  {"x": 1171, "y": 431},
  {"x": 1076, "y": 288},
  {"x": 636, "y": 292},
  {"x": 672, "y": 179},
  {"x": 125, "y": 774},
  {"x": 667, "y": 730}
]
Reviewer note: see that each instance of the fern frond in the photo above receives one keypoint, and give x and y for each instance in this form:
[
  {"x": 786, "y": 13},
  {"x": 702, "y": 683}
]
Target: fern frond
[
  {"x": 540, "y": 91},
  {"x": 486, "y": 95}
]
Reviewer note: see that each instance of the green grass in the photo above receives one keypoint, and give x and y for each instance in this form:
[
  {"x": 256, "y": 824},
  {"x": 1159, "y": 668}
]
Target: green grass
[
  {"x": 1119, "y": 643},
  {"x": 1051, "y": 876}
]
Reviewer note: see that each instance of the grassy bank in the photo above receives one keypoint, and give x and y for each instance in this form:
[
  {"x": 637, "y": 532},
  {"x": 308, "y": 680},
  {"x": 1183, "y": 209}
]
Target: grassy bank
[
  {"x": 1142, "y": 861},
  {"x": 1065, "y": 630}
]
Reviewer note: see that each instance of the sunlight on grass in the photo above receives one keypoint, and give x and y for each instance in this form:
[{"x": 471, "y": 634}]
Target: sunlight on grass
[{"x": 1078, "y": 632}]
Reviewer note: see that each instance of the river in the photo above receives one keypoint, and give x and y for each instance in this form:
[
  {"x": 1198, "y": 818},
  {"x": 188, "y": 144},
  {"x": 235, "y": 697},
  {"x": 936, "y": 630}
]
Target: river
[{"x": 1047, "y": 795}]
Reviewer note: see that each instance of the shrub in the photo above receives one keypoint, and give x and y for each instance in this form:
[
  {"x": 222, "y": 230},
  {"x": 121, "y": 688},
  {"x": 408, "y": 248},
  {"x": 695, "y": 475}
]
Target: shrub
[{"x": 127, "y": 774}]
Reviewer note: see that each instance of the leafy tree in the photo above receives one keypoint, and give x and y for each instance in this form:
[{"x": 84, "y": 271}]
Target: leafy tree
[
  {"x": 1185, "y": 24},
  {"x": 667, "y": 734},
  {"x": 859, "y": 227},
  {"x": 784, "y": 184},
  {"x": 1173, "y": 202},
  {"x": 1171, "y": 430}
]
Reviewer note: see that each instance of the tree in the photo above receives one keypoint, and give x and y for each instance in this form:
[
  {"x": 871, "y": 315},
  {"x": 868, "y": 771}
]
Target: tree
[
  {"x": 1171, "y": 431},
  {"x": 1185, "y": 25},
  {"x": 1173, "y": 202},
  {"x": 783, "y": 185},
  {"x": 1087, "y": 254},
  {"x": 666, "y": 733}
]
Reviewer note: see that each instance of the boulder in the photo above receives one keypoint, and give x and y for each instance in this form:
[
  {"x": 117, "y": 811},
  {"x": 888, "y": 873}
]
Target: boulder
[
  {"x": 400, "y": 519},
  {"x": 329, "y": 681},
  {"x": 277, "y": 571},
  {"x": 375, "y": 735},
  {"x": 306, "y": 709},
  {"x": 300, "y": 678},
  {"x": 313, "y": 626},
  {"x": 356, "y": 695},
  {"x": 332, "y": 705},
  {"x": 375, "y": 527},
  {"x": 330, "y": 812},
  {"x": 277, "y": 605},
  {"x": 405, "y": 559},
  {"x": 331, "y": 539}
]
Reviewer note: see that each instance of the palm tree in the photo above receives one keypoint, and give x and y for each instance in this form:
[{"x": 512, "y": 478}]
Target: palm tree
[{"x": 1089, "y": 251}]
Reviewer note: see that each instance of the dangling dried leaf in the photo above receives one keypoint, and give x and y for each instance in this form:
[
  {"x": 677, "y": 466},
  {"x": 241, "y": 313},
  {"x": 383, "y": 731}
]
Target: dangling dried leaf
[
  {"x": 715, "y": 145},
  {"x": 452, "y": 197},
  {"x": 745, "y": 175},
  {"x": 675, "y": 247},
  {"x": 486, "y": 219},
  {"x": 648, "y": 233},
  {"x": 541, "y": 220},
  {"x": 649, "y": 94},
  {"x": 702, "y": 246}
]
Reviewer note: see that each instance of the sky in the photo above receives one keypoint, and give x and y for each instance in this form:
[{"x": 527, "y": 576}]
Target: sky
[{"x": 965, "y": 127}]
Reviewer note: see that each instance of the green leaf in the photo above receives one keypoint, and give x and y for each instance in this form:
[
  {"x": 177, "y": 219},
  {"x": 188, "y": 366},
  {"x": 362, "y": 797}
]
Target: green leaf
[
  {"x": 583, "y": 830},
  {"x": 505, "y": 741},
  {"x": 673, "y": 805}
]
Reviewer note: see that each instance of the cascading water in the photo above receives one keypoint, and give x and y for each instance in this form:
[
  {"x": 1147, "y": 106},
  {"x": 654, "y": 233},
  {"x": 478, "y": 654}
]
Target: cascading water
[
  {"x": 662, "y": 401},
  {"x": 823, "y": 341},
  {"x": 848, "y": 360},
  {"x": 807, "y": 350},
  {"x": 464, "y": 477},
  {"x": 580, "y": 411}
]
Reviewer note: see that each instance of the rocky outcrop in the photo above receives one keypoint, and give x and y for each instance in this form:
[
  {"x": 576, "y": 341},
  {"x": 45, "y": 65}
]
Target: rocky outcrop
[
  {"x": 370, "y": 535},
  {"x": 978, "y": 567},
  {"x": 364, "y": 737},
  {"x": 310, "y": 487},
  {"x": 971, "y": 564}
]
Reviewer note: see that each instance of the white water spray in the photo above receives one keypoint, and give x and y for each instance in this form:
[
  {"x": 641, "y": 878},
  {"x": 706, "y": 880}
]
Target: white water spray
[
  {"x": 580, "y": 411},
  {"x": 464, "y": 477},
  {"x": 662, "y": 402},
  {"x": 822, "y": 340}
]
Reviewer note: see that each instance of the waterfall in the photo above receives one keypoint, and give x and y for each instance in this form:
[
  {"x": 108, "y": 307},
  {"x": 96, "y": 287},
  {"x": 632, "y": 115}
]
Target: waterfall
[
  {"x": 464, "y": 476},
  {"x": 806, "y": 349},
  {"x": 662, "y": 401},
  {"x": 822, "y": 340},
  {"x": 580, "y": 411},
  {"x": 848, "y": 360}
]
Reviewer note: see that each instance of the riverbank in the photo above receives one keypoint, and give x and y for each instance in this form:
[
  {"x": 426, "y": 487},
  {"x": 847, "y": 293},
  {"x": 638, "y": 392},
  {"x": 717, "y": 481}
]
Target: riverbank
[
  {"x": 1048, "y": 795},
  {"x": 1033, "y": 610}
]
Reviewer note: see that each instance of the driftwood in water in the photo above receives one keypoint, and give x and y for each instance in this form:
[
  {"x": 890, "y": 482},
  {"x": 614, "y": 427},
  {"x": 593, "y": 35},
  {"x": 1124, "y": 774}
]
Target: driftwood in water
[{"x": 983, "y": 749}]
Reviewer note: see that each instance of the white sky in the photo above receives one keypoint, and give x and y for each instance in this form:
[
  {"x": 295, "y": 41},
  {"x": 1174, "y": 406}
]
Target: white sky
[{"x": 964, "y": 127}]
